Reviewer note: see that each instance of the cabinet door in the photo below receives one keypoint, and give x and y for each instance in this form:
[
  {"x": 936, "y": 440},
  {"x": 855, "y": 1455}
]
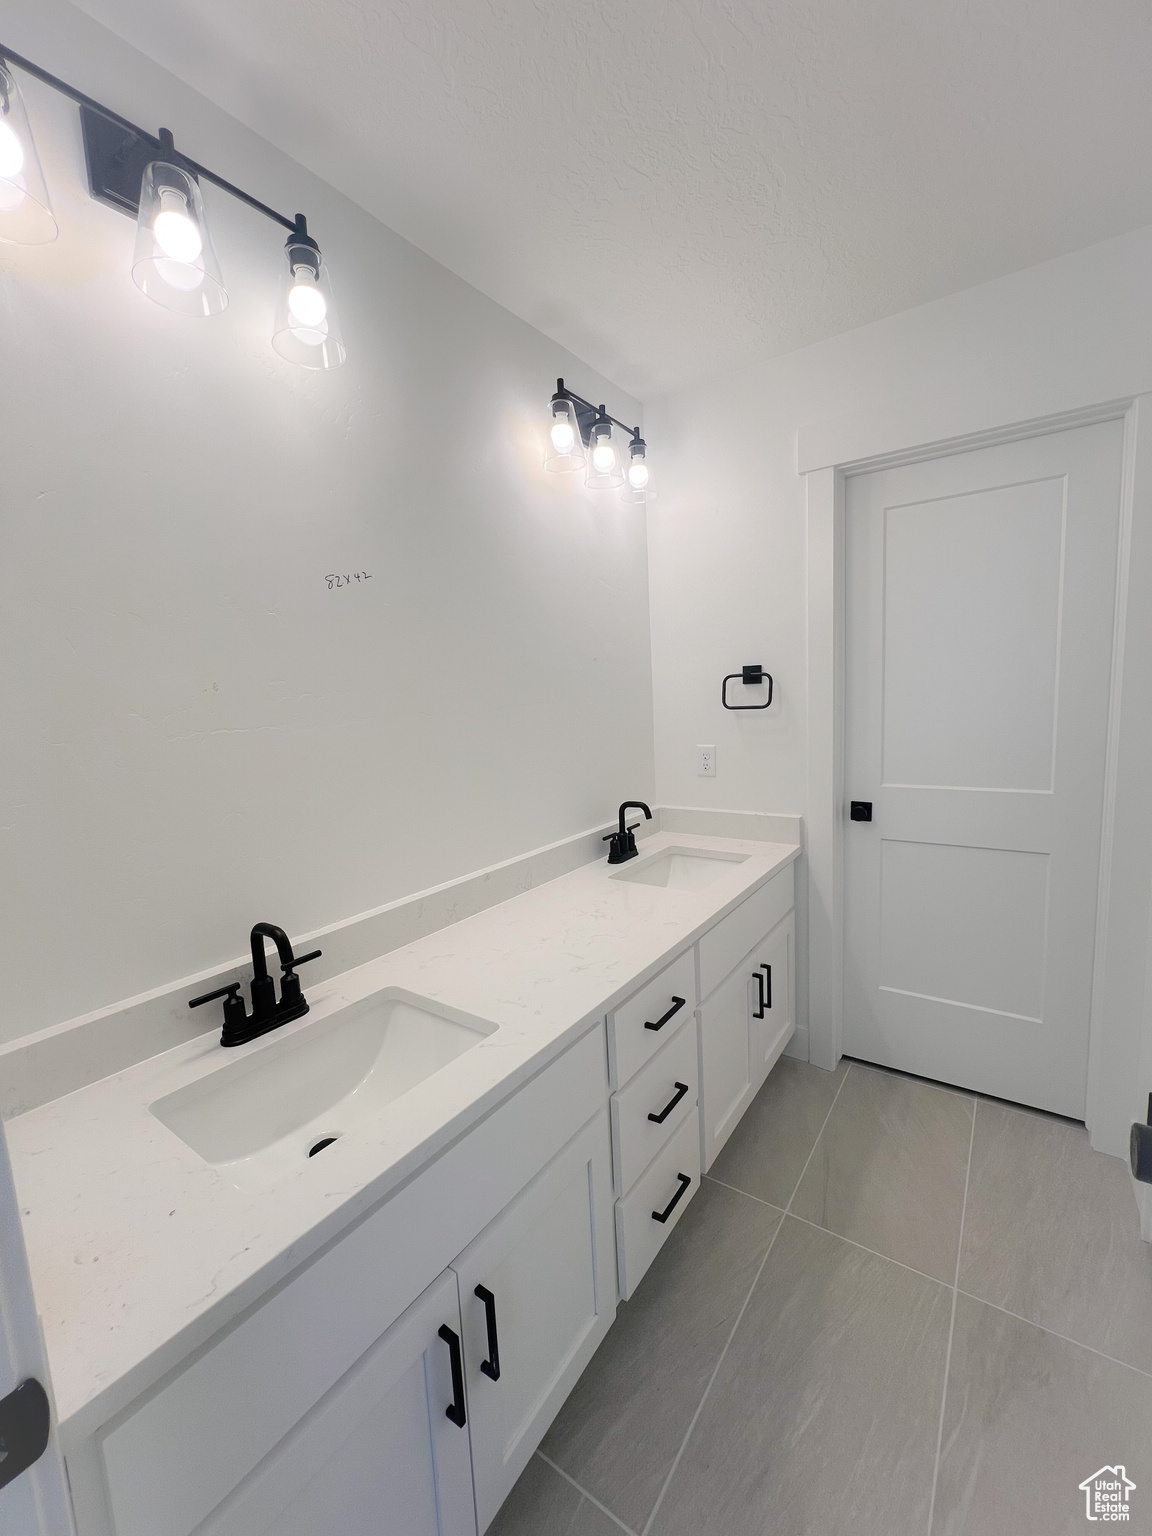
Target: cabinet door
[
  {"x": 773, "y": 1030},
  {"x": 378, "y": 1456},
  {"x": 728, "y": 1078},
  {"x": 545, "y": 1269}
]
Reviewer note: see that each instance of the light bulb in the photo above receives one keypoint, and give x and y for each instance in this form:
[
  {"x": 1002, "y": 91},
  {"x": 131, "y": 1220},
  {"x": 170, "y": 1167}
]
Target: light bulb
[
  {"x": 563, "y": 437},
  {"x": 637, "y": 474},
  {"x": 177, "y": 235},
  {"x": 11, "y": 152},
  {"x": 603, "y": 458},
  {"x": 307, "y": 303}
]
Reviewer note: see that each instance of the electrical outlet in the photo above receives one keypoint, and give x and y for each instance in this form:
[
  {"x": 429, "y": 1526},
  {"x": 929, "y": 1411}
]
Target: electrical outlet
[{"x": 706, "y": 762}]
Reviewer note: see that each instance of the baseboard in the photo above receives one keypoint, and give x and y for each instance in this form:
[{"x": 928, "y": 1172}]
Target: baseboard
[{"x": 797, "y": 1047}]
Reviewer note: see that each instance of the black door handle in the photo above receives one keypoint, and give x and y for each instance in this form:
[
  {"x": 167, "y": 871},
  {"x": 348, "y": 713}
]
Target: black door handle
[
  {"x": 767, "y": 969},
  {"x": 491, "y": 1366},
  {"x": 675, "y": 1200},
  {"x": 681, "y": 1090},
  {"x": 455, "y": 1409},
  {"x": 860, "y": 810},
  {"x": 24, "y": 1423},
  {"x": 758, "y": 1011},
  {"x": 677, "y": 1004}
]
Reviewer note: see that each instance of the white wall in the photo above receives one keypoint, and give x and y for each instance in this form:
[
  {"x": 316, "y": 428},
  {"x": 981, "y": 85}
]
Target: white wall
[
  {"x": 727, "y": 535},
  {"x": 197, "y": 732}
]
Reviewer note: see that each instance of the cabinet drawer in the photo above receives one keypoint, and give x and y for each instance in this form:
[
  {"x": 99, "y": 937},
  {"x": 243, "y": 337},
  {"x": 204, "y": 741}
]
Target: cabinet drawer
[
  {"x": 636, "y": 1138},
  {"x": 171, "y": 1460},
  {"x": 723, "y": 947},
  {"x": 630, "y": 1042},
  {"x": 639, "y": 1236}
]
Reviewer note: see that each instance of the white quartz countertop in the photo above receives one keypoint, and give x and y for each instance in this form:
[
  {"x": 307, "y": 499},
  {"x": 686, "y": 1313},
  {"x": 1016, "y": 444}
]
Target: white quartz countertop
[{"x": 141, "y": 1251}]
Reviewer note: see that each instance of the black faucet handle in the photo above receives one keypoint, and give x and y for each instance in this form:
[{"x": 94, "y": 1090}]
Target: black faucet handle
[
  {"x": 230, "y": 992},
  {"x": 288, "y": 965}
]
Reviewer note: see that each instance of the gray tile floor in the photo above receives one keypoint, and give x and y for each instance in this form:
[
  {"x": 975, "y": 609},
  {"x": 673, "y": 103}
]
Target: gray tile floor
[{"x": 891, "y": 1308}]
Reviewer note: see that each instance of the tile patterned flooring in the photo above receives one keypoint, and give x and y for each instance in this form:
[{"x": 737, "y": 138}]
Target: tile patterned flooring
[{"x": 892, "y": 1307}]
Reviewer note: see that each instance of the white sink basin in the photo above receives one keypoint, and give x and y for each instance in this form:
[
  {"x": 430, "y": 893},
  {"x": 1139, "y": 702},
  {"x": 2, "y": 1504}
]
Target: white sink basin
[
  {"x": 682, "y": 869},
  {"x": 265, "y": 1114}
]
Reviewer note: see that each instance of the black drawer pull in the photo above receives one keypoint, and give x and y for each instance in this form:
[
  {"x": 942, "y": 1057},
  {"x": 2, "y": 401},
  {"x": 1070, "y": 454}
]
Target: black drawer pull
[
  {"x": 675, "y": 1200},
  {"x": 681, "y": 1090},
  {"x": 455, "y": 1409},
  {"x": 767, "y": 969},
  {"x": 758, "y": 1011},
  {"x": 491, "y": 1366},
  {"x": 677, "y": 1004}
]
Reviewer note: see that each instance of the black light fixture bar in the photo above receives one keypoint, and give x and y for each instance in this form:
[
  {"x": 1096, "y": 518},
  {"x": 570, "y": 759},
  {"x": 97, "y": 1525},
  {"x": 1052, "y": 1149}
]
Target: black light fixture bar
[
  {"x": 102, "y": 185},
  {"x": 587, "y": 413}
]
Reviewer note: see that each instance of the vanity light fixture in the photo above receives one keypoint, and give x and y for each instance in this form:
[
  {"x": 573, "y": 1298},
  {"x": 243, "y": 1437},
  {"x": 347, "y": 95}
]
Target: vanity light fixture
[
  {"x": 584, "y": 436},
  {"x": 175, "y": 263},
  {"x": 605, "y": 471},
  {"x": 307, "y": 330},
  {"x": 26, "y": 216},
  {"x": 565, "y": 451},
  {"x": 145, "y": 176},
  {"x": 638, "y": 482}
]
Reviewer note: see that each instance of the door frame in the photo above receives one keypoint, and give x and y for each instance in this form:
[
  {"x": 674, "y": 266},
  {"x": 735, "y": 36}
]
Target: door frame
[{"x": 827, "y": 455}]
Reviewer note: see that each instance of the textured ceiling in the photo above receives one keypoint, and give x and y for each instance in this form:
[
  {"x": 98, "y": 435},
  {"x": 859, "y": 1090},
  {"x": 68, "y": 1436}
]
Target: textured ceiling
[{"x": 670, "y": 188}]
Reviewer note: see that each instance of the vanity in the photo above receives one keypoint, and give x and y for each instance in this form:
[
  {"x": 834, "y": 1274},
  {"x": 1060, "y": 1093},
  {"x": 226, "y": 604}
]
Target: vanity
[{"x": 357, "y": 1265}]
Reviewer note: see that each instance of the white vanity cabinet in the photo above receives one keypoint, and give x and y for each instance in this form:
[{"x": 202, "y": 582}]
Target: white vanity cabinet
[
  {"x": 398, "y": 1381},
  {"x": 740, "y": 1036},
  {"x": 379, "y": 1455},
  {"x": 340, "y": 1372},
  {"x": 537, "y": 1291}
]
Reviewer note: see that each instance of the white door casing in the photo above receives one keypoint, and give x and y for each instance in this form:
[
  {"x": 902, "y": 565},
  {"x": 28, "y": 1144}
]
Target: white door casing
[
  {"x": 980, "y": 591},
  {"x": 36, "y": 1503}
]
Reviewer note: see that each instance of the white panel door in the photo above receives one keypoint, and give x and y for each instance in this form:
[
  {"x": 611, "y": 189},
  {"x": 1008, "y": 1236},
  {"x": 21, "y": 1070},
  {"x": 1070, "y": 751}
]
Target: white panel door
[
  {"x": 980, "y": 601},
  {"x": 35, "y": 1502},
  {"x": 537, "y": 1295},
  {"x": 379, "y": 1455}
]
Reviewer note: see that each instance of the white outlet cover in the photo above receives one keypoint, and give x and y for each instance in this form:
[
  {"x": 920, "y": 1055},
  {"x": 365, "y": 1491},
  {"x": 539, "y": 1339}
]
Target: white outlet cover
[{"x": 705, "y": 761}]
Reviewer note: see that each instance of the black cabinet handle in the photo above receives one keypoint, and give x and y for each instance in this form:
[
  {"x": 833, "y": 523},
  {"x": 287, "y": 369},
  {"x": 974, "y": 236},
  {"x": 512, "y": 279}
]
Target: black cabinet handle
[
  {"x": 681, "y": 1090},
  {"x": 491, "y": 1366},
  {"x": 675, "y": 1200},
  {"x": 767, "y": 969},
  {"x": 758, "y": 1011},
  {"x": 24, "y": 1428},
  {"x": 455, "y": 1409},
  {"x": 677, "y": 1004}
]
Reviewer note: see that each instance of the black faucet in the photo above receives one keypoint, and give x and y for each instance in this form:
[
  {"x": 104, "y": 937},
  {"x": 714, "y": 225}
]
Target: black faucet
[
  {"x": 622, "y": 844},
  {"x": 267, "y": 1013}
]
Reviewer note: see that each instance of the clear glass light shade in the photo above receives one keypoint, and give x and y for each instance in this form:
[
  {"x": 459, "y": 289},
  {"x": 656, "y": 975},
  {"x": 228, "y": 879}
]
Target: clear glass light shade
[
  {"x": 605, "y": 468},
  {"x": 174, "y": 263},
  {"x": 637, "y": 486},
  {"x": 307, "y": 328},
  {"x": 565, "y": 447},
  {"x": 26, "y": 216}
]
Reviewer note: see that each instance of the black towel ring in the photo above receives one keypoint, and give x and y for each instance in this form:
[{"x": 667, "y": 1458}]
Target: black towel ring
[{"x": 748, "y": 676}]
